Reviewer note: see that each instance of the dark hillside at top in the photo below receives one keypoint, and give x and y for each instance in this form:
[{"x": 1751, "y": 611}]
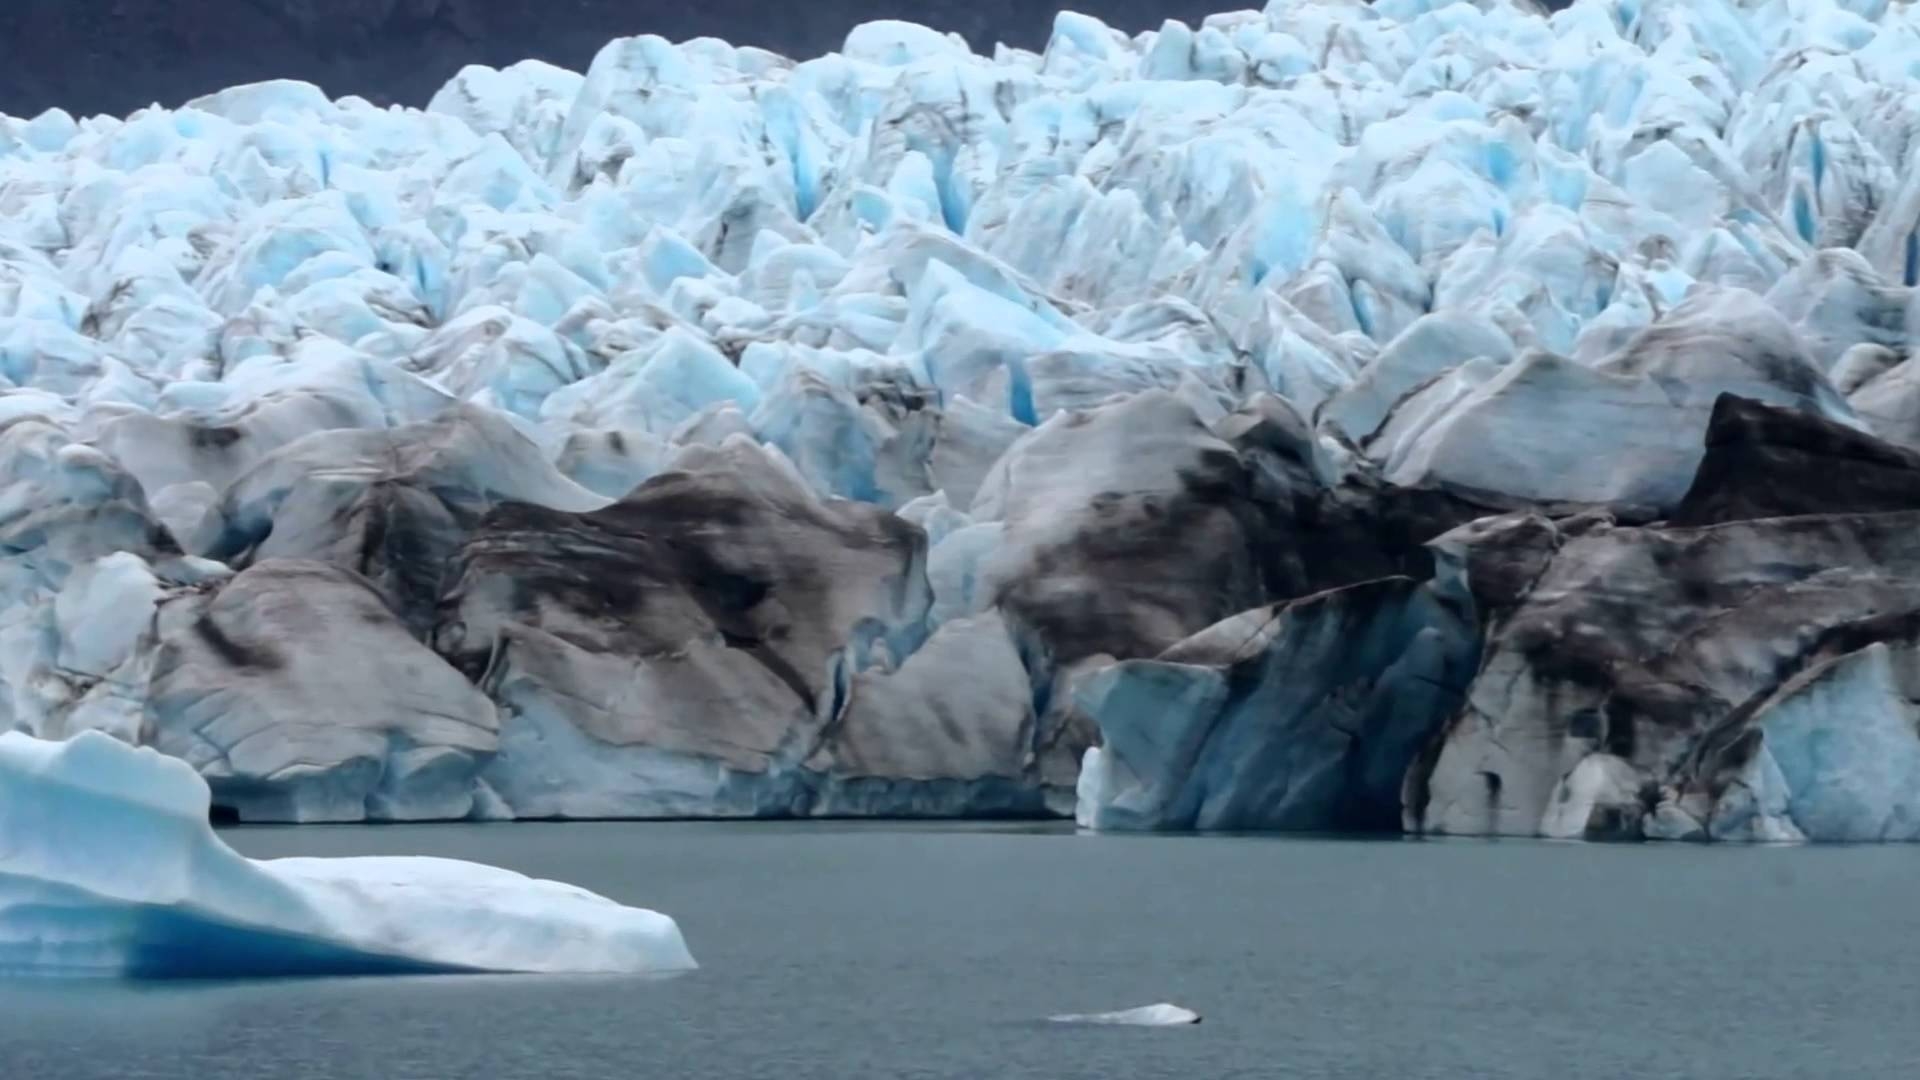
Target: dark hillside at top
[{"x": 115, "y": 56}]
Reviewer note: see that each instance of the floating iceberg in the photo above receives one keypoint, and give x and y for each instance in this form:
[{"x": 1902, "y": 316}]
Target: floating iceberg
[
  {"x": 1162, "y": 1015},
  {"x": 109, "y": 867}
]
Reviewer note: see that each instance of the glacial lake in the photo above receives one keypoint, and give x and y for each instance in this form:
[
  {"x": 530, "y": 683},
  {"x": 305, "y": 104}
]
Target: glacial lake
[{"x": 935, "y": 953}]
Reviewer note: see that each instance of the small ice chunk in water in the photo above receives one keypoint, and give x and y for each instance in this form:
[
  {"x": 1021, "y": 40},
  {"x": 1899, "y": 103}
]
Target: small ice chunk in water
[{"x": 1161, "y": 1015}]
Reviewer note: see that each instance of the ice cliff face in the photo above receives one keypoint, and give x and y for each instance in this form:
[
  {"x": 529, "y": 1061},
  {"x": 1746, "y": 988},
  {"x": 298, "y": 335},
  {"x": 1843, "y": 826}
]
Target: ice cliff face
[
  {"x": 1651, "y": 680},
  {"x": 1334, "y": 416}
]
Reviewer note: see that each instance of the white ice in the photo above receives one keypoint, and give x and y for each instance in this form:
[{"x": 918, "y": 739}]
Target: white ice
[
  {"x": 111, "y": 868},
  {"x": 1162, "y": 1015}
]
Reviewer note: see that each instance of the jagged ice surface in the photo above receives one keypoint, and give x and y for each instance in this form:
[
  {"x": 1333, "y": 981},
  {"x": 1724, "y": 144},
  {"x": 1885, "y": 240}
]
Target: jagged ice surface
[{"x": 711, "y": 433}]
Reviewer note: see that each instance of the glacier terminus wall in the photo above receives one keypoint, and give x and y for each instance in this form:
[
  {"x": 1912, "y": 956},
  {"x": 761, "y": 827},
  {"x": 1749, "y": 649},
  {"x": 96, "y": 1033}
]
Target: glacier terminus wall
[{"x": 1430, "y": 416}]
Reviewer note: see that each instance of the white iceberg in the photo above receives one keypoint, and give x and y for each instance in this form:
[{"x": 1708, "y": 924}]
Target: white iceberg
[
  {"x": 1161, "y": 1015},
  {"x": 108, "y": 866}
]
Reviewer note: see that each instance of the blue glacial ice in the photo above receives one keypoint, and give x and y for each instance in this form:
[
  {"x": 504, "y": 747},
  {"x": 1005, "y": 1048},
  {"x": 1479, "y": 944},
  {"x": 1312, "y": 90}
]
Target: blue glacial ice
[
  {"x": 1839, "y": 758},
  {"x": 716, "y": 433},
  {"x": 112, "y": 870}
]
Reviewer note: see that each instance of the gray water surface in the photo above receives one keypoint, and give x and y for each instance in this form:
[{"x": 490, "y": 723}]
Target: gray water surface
[{"x": 837, "y": 951}]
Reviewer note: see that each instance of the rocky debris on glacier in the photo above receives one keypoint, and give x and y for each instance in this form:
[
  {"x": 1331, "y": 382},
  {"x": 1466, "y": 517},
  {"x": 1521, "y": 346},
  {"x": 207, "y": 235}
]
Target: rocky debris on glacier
[
  {"x": 706, "y": 633},
  {"x": 112, "y": 870},
  {"x": 1410, "y": 414},
  {"x": 1764, "y": 462},
  {"x": 299, "y": 696},
  {"x": 1648, "y": 680}
]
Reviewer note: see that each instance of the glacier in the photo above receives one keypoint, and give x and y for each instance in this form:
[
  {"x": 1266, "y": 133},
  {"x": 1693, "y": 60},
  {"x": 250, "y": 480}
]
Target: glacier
[
  {"x": 111, "y": 869},
  {"x": 1427, "y": 415}
]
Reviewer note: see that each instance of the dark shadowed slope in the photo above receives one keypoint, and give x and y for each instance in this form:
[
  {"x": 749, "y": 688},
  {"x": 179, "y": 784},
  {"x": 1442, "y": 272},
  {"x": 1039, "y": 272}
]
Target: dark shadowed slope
[
  {"x": 114, "y": 56},
  {"x": 117, "y": 55}
]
